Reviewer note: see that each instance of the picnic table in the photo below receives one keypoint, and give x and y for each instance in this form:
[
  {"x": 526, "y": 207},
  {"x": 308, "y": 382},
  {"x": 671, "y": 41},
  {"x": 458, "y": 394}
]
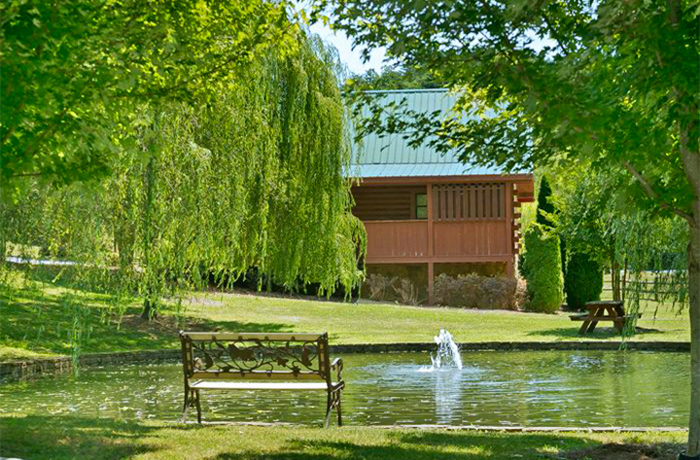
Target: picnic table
[{"x": 606, "y": 310}]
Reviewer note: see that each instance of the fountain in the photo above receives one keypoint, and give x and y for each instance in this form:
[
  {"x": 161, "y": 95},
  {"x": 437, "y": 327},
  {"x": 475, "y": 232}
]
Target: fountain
[{"x": 447, "y": 355}]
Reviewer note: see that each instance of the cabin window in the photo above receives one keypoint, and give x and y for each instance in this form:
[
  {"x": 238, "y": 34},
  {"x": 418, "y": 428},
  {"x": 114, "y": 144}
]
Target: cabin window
[{"x": 421, "y": 206}]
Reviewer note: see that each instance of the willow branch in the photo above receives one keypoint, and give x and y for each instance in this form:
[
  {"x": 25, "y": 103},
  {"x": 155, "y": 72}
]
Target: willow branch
[
  {"x": 553, "y": 33},
  {"x": 32, "y": 174},
  {"x": 653, "y": 194},
  {"x": 217, "y": 68}
]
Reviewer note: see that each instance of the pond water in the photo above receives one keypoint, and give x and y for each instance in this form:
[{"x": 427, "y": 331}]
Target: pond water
[{"x": 537, "y": 388}]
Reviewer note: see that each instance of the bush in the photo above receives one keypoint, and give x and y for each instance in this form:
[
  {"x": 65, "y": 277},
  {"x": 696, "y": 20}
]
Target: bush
[
  {"x": 543, "y": 270},
  {"x": 444, "y": 289},
  {"x": 406, "y": 292},
  {"x": 474, "y": 291},
  {"x": 521, "y": 296},
  {"x": 463, "y": 291},
  {"x": 521, "y": 265},
  {"x": 544, "y": 204},
  {"x": 380, "y": 287},
  {"x": 583, "y": 281}
]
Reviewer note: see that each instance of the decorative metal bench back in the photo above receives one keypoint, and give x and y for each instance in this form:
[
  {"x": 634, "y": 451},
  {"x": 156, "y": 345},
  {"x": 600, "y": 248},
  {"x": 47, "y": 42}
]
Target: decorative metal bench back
[{"x": 277, "y": 356}]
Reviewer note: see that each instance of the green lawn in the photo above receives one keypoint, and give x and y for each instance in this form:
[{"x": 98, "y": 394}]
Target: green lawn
[
  {"x": 79, "y": 438},
  {"x": 37, "y": 320}
]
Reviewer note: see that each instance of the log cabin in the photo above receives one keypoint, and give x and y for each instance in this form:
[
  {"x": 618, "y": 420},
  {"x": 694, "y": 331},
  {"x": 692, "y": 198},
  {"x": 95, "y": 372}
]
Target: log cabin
[{"x": 427, "y": 213}]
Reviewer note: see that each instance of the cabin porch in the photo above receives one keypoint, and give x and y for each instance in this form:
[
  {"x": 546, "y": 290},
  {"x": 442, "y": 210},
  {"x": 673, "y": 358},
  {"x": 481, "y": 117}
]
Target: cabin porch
[{"x": 455, "y": 221}]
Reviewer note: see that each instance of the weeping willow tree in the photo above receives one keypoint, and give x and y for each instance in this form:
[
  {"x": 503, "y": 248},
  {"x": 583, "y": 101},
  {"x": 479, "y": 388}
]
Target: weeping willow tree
[
  {"x": 650, "y": 252},
  {"x": 644, "y": 250},
  {"x": 253, "y": 177}
]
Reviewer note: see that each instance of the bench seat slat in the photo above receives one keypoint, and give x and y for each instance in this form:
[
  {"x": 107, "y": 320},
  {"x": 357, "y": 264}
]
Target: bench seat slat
[{"x": 229, "y": 385}]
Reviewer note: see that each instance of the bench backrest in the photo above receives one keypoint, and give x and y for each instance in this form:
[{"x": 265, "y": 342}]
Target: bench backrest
[{"x": 255, "y": 356}]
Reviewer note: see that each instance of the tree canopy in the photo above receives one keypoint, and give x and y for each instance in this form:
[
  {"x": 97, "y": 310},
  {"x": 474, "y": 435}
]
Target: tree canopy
[
  {"x": 554, "y": 81},
  {"x": 393, "y": 77},
  {"x": 252, "y": 176},
  {"x": 611, "y": 84},
  {"x": 76, "y": 75}
]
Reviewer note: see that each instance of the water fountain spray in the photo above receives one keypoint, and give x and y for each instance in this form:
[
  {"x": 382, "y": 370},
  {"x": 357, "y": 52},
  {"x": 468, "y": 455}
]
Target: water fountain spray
[{"x": 447, "y": 355}]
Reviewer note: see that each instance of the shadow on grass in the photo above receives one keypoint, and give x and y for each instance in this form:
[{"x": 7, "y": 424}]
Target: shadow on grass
[
  {"x": 601, "y": 333},
  {"x": 42, "y": 321},
  {"x": 457, "y": 445},
  {"x": 85, "y": 279},
  {"x": 71, "y": 437}
]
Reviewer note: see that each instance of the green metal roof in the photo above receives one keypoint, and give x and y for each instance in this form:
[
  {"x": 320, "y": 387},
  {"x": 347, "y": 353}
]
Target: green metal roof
[{"x": 389, "y": 155}]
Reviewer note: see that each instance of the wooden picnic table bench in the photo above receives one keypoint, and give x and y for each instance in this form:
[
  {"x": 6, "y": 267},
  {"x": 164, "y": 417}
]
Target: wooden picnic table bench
[
  {"x": 259, "y": 361},
  {"x": 605, "y": 310}
]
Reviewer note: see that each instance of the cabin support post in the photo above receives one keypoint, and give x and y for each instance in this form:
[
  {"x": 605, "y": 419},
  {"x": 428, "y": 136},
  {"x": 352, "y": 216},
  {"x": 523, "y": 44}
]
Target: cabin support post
[
  {"x": 510, "y": 269},
  {"x": 430, "y": 283},
  {"x": 431, "y": 241}
]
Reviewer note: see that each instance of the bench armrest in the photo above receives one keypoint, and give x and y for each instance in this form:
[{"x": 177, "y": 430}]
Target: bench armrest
[{"x": 337, "y": 365}]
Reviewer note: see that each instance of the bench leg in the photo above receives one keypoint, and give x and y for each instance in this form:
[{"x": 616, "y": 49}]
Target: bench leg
[
  {"x": 186, "y": 405},
  {"x": 592, "y": 326},
  {"x": 191, "y": 399},
  {"x": 340, "y": 415},
  {"x": 199, "y": 407},
  {"x": 329, "y": 407}
]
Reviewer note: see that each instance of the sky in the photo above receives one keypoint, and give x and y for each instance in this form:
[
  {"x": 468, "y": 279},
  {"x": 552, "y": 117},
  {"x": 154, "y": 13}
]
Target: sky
[{"x": 351, "y": 58}]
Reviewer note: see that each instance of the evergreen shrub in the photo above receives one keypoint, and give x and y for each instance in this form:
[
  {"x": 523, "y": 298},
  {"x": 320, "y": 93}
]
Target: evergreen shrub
[
  {"x": 583, "y": 281},
  {"x": 542, "y": 269},
  {"x": 544, "y": 203}
]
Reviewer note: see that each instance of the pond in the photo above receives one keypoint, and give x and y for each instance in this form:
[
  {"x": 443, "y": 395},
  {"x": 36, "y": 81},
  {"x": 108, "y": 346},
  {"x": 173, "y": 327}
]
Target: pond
[{"x": 536, "y": 388}]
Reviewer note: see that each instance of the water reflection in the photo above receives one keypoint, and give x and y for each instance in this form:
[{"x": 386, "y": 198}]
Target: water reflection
[
  {"x": 493, "y": 388},
  {"x": 448, "y": 395}
]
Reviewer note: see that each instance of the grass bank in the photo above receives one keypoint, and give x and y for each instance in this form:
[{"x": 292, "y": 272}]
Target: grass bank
[
  {"x": 63, "y": 437},
  {"x": 39, "y": 317}
]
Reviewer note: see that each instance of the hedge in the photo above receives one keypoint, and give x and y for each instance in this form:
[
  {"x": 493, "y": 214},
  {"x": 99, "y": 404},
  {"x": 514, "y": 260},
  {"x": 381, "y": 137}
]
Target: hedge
[
  {"x": 474, "y": 291},
  {"x": 583, "y": 281},
  {"x": 542, "y": 270}
]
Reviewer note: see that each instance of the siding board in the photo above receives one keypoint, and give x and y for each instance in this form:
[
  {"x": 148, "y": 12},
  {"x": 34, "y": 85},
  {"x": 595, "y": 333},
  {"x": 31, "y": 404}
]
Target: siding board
[{"x": 384, "y": 202}]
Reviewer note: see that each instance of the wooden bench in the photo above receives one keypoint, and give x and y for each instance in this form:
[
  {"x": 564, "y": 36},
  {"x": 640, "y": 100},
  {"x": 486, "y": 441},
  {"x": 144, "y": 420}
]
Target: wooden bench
[
  {"x": 606, "y": 310},
  {"x": 259, "y": 361}
]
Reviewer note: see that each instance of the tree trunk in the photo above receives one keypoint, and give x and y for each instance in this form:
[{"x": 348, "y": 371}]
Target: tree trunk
[
  {"x": 615, "y": 278},
  {"x": 690, "y": 154},
  {"x": 149, "y": 302},
  {"x": 694, "y": 311},
  {"x": 149, "y": 309}
]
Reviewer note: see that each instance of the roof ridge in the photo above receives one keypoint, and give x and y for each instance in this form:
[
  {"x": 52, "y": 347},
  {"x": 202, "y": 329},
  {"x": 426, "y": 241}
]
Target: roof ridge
[
  {"x": 407, "y": 90},
  {"x": 413, "y": 163}
]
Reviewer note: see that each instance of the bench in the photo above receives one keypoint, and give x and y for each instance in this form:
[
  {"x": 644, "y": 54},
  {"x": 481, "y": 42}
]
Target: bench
[
  {"x": 259, "y": 361},
  {"x": 606, "y": 310}
]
